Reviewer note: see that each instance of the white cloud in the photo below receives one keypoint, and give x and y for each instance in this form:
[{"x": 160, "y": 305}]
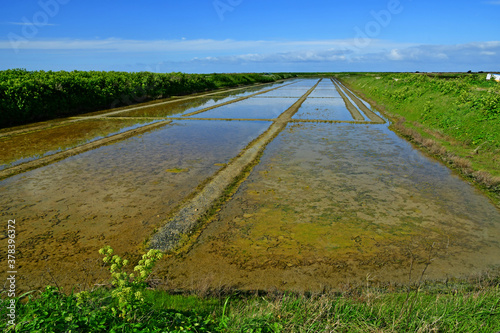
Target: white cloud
[
  {"x": 210, "y": 55},
  {"x": 29, "y": 23},
  {"x": 293, "y": 56},
  {"x": 492, "y": 2},
  {"x": 462, "y": 53},
  {"x": 448, "y": 52},
  {"x": 185, "y": 45},
  {"x": 395, "y": 55}
]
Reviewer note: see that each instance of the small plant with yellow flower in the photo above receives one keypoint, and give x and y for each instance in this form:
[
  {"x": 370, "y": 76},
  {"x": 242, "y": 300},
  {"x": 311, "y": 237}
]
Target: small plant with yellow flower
[{"x": 128, "y": 287}]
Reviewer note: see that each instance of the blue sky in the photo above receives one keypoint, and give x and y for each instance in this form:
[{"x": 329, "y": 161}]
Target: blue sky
[{"x": 205, "y": 36}]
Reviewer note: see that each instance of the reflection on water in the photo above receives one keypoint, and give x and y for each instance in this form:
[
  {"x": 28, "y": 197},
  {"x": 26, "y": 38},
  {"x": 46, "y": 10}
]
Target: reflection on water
[
  {"x": 331, "y": 203},
  {"x": 327, "y": 204},
  {"x": 176, "y": 108},
  {"x": 28, "y": 146},
  {"x": 114, "y": 195},
  {"x": 323, "y": 93},
  {"x": 184, "y": 106},
  {"x": 252, "y": 108},
  {"x": 286, "y": 92},
  {"x": 323, "y": 109}
]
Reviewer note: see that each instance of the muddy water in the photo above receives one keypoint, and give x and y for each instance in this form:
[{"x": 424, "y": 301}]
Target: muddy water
[
  {"x": 336, "y": 203},
  {"x": 176, "y": 108},
  {"x": 183, "y": 106},
  {"x": 328, "y": 203},
  {"x": 28, "y": 146},
  {"x": 113, "y": 195},
  {"x": 323, "y": 109}
]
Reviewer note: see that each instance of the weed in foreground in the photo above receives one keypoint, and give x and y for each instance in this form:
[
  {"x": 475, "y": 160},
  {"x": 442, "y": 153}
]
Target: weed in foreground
[
  {"x": 124, "y": 308},
  {"x": 452, "y": 306}
]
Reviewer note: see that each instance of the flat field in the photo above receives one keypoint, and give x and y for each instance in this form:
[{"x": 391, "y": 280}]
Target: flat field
[{"x": 294, "y": 186}]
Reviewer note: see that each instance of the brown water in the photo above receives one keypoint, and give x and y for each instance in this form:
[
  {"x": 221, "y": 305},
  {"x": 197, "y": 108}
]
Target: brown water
[
  {"x": 114, "y": 195},
  {"x": 176, "y": 108},
  {"x": 327, "y": 204},
  {"x": 336, "y": 203},
  {"x": 24, "y": 147},
  {"x": 323, "y": 109},
  {"x": 180, "y": 107}
]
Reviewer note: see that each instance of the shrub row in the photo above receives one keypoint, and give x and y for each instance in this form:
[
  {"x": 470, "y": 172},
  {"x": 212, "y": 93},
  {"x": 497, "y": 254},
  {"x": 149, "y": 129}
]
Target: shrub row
[{"x": 29, "y": 96}]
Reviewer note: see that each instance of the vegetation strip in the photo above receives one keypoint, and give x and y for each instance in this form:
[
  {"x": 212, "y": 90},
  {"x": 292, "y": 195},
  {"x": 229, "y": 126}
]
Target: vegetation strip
[
  {"x": 458, "y": 306},
  {"x": 77, "y": 150},
  {"x": 356, "y": 115},
  {"x": 177, "y": 100},
  {"x": 232, "y": 101},
  {"x": 187, "y": 218},
  {"x": 374, "y": 117},
  {"x": 30, "y": 96},
  {"x": 445, "y": 115},
  {"x": 7, "y": 132}
]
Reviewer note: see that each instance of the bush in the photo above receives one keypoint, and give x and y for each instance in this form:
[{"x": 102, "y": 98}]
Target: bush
[{"x": 30, "y": 96}]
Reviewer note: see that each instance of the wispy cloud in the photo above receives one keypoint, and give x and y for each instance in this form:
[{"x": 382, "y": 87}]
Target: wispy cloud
[
  {"x": 28, "y": 23},
  {"x": 185, "y": 45},
  {"x": 476, "y": 51},
  {"x": 211, "y": 55},
  {"x": 290, "y": 57},
  {"x": 492, "y": 2}
]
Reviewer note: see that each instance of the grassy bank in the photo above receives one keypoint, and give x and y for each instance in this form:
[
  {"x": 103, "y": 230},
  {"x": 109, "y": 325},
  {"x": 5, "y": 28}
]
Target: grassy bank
[
  {"x": 128, "y": 303},
  {"x": 30, "y": 96},
  {"x": 468, "y": 306},
  {"x": 455, "y": 117}
]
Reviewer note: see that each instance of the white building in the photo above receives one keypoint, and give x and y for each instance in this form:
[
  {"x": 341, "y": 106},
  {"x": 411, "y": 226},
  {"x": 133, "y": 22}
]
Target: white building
[{"x": 495, "y": 77}]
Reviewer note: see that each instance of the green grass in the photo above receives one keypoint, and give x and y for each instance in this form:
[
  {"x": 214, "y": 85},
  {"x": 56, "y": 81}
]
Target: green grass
[
  {"x": 452, "y": 306},
  {"x": 461, "y": 306},
  {"x": 454, "y": 116},
  {"x": 450, "y": 104},
  {"x": 448, "y": 110}
]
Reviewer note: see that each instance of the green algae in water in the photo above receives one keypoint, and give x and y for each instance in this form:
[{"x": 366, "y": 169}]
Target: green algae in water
[
  {"x": 333, "y": 203},
  {"x": 177, "y": 170}
]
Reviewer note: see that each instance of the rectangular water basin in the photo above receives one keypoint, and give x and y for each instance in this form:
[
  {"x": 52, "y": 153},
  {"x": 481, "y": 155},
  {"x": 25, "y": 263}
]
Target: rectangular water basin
[
  {"x": 252, "y": 108},
  {"x": 333, "y": 204},
  {"x": 115, "y": 195},
  {"x": 323, "y": 109},
  {"x": 28, "y": 146}
]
